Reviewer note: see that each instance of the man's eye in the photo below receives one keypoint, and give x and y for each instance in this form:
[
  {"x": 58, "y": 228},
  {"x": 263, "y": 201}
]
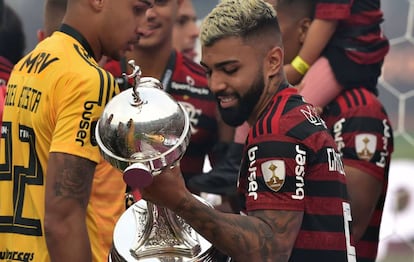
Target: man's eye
[
  {"x": 140, "y": 10},
  {"x": 160, "y": 2},
  {"x": 182, "y": 21},
  {"x": 207, "y": 72},
  {"x": 231, "y": 70}
]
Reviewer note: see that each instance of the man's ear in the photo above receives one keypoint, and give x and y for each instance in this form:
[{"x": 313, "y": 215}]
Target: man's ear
[
  {"x": 274, "y": 61},
  {"x": 41, "y": 35},
  {"x": 304, "y": 25},
  {"x": 97, "y": 5}
]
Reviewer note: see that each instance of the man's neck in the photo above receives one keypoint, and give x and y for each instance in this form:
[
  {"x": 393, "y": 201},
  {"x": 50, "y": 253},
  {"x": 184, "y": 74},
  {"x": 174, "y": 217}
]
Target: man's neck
[
  {"x": 273, "y": 86},
  {"x": 151, "y": 61}
]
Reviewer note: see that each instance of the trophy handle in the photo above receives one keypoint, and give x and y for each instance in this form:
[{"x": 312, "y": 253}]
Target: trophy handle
[{"x": 137, "y": 175}]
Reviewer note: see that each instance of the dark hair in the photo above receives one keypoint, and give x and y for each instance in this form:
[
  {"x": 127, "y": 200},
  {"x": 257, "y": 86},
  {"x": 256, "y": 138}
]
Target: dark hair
[
  {"x": 12, "y": 39},
  {"x": 1, "y": 12},
  {"x": 303, "y": 8}
]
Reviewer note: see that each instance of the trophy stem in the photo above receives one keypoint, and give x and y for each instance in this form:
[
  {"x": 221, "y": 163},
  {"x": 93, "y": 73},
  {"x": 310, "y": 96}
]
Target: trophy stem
[{"x": 162, "y": 233}]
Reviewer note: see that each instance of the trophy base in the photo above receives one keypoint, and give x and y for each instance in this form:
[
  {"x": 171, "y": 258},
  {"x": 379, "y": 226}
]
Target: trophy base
[{"x": 211, "y": 256}]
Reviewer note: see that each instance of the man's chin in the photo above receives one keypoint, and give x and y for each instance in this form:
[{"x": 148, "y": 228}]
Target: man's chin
[{"x": 233, "y": 118}]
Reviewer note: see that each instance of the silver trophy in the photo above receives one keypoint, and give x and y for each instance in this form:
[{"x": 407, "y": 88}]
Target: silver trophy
[{"x": 142, "y": 131}]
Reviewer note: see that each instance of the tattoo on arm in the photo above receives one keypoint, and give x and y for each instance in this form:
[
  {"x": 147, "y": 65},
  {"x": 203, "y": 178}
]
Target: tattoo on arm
[
  {"x": 264, "y": 235},
  {"x": 75, "y": 179}
]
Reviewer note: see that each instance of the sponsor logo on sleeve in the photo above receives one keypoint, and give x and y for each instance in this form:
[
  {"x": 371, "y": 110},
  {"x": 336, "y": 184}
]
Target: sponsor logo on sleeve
[
  {"x": 384, "y": 153},
  {"x": 253, "y": 186},
  {"x": 300, "y": 159},
  {"x": 337, "y": 131}
]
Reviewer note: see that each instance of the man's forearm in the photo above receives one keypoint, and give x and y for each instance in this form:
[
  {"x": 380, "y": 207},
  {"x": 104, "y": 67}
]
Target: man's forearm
[{"x": 244, "y": 238}]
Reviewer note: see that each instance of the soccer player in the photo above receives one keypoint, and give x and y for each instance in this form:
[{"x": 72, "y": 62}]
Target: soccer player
[
  {"x": 362, "y": 131},
  {"x": 292, "y": 182},
  {"x": 108, "y": 193},
  {"x": 55, "y": 95},
  {"x": 186, "y": 31}
]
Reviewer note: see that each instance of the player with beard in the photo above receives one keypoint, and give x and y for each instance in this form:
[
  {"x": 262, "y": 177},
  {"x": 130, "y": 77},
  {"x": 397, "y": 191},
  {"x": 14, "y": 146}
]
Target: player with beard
[{"x": 292, "y": 184}]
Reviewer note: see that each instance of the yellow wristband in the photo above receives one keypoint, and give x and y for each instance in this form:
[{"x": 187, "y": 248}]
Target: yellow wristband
[{"x": 300, "y": 65}]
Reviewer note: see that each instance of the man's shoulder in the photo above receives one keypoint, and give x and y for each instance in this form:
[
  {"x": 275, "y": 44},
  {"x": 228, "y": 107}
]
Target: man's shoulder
[
  {"x": 289, "y": 115},
  {"x": 60, "y": 55},
  {"x": 353, "y": 101}
]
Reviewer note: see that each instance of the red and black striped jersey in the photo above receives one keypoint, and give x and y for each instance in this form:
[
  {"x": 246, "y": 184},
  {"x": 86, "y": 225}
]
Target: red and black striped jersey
[
  {"x": 188, "y": 85},
  {"x": 5, "y": 69},
  {"x": 363, "y": 134},
  {"x": 290, "y": 162},
  {"x": 358, "y": 32}
]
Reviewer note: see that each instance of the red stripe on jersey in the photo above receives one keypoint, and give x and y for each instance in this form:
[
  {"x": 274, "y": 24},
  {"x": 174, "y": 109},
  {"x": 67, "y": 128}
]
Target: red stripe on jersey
[
  {"x": 367, "y": 250},
  {"x": 321, "y": 240},
  {"x": 365, "y": 18},
  {"x": 5, "y": 68},
  {"x": 330, "y": 11},
  {"x": 376, "y": 218},
  {"x": 373, "y": 170},
  {"x": 365, "y": 58}
]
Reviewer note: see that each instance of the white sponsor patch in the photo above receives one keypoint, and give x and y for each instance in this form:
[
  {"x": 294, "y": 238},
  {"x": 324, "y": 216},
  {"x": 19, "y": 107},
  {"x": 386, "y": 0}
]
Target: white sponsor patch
[
  {"x": 253, "y": 186},
  {"x": 274, "y": 174},
  {"x": 365, "y": 145}
]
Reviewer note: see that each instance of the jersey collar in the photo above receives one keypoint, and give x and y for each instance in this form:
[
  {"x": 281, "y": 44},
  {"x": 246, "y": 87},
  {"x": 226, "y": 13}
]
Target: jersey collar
[{"x": 67, "y": 29}]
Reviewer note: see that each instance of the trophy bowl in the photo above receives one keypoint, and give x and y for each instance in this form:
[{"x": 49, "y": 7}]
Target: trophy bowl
[{"x": 142, "y": 130}]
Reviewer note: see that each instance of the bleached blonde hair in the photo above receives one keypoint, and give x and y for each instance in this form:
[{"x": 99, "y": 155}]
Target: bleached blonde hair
[{"x": 240, "y": 18}]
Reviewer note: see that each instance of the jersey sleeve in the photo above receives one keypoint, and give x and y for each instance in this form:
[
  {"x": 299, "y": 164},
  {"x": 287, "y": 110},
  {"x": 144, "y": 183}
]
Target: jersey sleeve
[
  {"x": 365, "y": 143},
  {"x": 275, "y": 172},
  {"x": 79, "y": 101}
]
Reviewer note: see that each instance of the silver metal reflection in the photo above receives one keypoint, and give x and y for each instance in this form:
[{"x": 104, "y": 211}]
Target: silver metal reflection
[
  {"x": 147, "y": 233},
  {"x": 142, "y": 131}
]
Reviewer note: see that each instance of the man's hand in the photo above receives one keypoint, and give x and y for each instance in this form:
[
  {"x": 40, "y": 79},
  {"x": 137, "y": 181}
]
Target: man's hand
[{"x": 167, "y": 189}]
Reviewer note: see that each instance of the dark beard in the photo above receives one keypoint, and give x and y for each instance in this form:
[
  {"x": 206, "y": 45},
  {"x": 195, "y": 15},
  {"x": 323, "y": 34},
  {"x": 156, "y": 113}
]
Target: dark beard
[{"x": 237, "y": 115}]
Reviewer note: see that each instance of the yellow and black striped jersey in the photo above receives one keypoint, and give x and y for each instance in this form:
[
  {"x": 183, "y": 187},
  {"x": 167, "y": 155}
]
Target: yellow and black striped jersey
[{"x": 55, "y": 96}]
